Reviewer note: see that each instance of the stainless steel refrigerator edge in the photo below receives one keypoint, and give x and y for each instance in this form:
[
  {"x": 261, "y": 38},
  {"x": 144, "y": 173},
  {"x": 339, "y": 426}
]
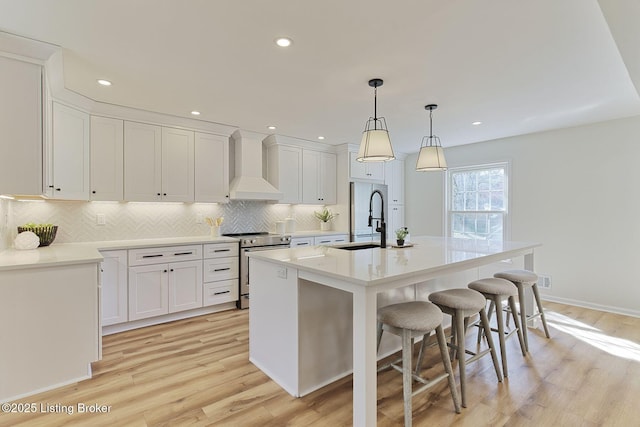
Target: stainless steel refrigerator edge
[{"x": 360, "y": 194}]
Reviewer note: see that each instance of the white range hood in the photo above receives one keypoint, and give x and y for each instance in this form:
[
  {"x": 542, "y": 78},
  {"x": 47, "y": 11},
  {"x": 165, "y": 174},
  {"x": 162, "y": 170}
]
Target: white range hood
[{"x": 248, "y": 183}]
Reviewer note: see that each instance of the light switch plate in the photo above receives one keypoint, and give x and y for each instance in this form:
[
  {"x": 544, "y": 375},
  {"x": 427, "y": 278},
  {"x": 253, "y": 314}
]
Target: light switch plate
[
  {"x": 282, "y": 272},
  {"x": 101, "y": 219}
]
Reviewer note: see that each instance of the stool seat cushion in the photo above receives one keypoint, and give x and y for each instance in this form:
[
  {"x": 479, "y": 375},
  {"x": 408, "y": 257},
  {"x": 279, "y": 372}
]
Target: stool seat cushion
[
  {"x": 412, "y": 315},
  {"x": 522, "y": 276},
  {"x": 461, "y": 298},
  {"x": 494, "y": 286}
]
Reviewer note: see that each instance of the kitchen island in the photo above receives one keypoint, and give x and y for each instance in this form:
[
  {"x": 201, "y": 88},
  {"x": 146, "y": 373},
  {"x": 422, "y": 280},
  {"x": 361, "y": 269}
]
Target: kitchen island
[{"x": 314, "y": 307}]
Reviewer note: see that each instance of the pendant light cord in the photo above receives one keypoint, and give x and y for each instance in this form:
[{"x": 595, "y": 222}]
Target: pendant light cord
[{"x": 375, "y": 108}]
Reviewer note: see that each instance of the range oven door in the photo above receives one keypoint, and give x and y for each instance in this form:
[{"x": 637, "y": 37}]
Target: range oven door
[{"x": 245, "y": 280}]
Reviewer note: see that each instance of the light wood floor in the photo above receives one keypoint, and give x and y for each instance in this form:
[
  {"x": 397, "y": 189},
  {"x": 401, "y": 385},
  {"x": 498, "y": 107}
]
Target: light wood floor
[{"x": 196, "y": 372}]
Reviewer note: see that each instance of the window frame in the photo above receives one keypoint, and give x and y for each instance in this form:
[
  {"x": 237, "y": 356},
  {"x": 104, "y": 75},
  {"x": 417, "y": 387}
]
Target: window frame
[{"x": 506, "y": 214}]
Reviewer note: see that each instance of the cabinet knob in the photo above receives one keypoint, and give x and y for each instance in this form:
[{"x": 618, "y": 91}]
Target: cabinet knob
[
  {"x": 164, "y": 271},
  {"x": 93, "y": 192},
  {"x": 158, "y": 194},
  {"x": 171, "y": 269},
  {"x": 57, "y": 189},
  {"x": 164, "y": 194},
  {"x": 51, "y": 186}
]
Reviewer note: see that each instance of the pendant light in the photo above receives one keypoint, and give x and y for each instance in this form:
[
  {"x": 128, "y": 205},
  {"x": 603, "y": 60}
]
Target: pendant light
[
  {"x": 375, "y": 145},
  {"x": 431, "y": 157}
]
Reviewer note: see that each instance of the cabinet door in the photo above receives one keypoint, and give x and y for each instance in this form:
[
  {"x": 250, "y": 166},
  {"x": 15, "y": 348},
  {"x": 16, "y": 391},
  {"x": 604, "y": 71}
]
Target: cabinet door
[
  {"x": 185, "y": 285},
  {"x": 365, "y": 170},
  {"x": 396, "y": 220},
  {"x": 395, "y": 181},
  {"x": 310, "y": 173},
  {"x": 107, "y": 159},
  {"x": 20, "y": 127},
  {"x": 70, "y": 157},
  {"x": 113, "y": 272},
  {"x": 328, "y": 178},
  {"x": 148, "y": 291},
  {"x": 284, "y": 171},
  {"x": 211, "y": 168},
  {"x": 177, "y": 165},
  {"x": 142, "y": 162}
]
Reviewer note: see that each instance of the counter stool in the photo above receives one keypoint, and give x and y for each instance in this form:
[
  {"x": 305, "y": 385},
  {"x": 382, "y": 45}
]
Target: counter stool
[
  {"x": 409, "y": 320},
  {"x": 461, "y": 304},
  {"x": 526, "y": 279},
  {"x": 496, "y": 290}
]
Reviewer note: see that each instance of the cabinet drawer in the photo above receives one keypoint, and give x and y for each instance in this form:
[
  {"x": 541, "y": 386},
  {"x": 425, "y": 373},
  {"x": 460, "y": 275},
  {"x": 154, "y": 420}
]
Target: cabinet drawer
[
  {"x": 328, "y": 240},
  {"x": 220, "y": 250},
  {"x": 301, "y": 241},
  {"x": 221, "y": 269},
  {"x": 220, "y": 292},
  {"x": 164, "y": 254}
]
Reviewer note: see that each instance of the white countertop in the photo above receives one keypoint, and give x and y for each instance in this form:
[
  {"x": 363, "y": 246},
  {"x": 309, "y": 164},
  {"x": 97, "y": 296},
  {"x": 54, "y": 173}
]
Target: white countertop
[
  {"x": 88, "y": 252},
  {"x": 377, "y": 265}
]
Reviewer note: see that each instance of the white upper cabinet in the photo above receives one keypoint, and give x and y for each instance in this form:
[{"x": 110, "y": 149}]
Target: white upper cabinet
[
  {"x": 20, "y": 127},
  {"x": 107, "y": 159},
  {"x": 318, "y": 177},
  {"x": 365, "y": 170},
  {"x": 142, "y": 162},
  {"x": 68, "y": 176},
  {"x": 158, "y": 163},
  {"x": 284, "y": 171},
  {"x": 395, "y": 181},
  {"x": 211, "y": 168},
  {"x": 177, "y": 165}
]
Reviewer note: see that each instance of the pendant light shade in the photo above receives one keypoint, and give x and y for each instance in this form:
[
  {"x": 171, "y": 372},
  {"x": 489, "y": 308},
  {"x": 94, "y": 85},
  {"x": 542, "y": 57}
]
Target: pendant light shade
[
  {"x": 431, "y": 156},
  {"x": 376, "y": 144}
]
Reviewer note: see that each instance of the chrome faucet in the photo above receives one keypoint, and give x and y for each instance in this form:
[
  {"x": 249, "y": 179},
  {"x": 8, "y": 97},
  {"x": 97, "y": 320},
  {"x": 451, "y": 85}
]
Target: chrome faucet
[{"x": 381, "y": 226}]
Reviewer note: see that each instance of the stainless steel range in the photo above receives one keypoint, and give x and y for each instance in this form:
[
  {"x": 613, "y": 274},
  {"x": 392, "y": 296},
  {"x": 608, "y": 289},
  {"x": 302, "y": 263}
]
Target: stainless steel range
[{"x": 250, "y": 242}]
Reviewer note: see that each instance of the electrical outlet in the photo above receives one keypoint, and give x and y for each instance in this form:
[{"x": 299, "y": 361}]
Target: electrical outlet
[
  {"x": 282, "y": 272},
  {"x": 101, "y": 219},
  {"x": 544, "y": 282},
  {"x": 199, "y": 218}
]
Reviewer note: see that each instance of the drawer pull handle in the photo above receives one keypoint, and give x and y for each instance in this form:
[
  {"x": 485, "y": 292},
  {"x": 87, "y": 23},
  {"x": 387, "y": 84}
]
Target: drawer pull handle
[
  {"x": 183, "y": 253},
  {"x": 152, "y": 256},
  {"x": 302, "y": 244},
  {"x": 222, "y": 269},
  {"x": 221, "y": 250},
  {"x": 221, "y": 292},
  {"x": 325, "y": 241}
]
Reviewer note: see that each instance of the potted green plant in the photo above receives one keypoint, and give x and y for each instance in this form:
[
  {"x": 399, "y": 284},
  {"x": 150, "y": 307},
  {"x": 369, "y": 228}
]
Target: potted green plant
[
  {"x": 325, "y": 216},
  {"x": 401, "y": 233}
]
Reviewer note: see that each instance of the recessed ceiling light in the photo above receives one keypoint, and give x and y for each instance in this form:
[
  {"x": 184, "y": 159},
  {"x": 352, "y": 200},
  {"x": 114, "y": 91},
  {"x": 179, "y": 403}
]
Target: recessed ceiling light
[
  {"x": 195, "y": 113},
  {"x": 321, "y": 137},
  {"x": 284, "y": 41},
  {"x": 104, "y": 82},
  {"x": 476, "y": 123},
  {"x": 271, "y": 127}
]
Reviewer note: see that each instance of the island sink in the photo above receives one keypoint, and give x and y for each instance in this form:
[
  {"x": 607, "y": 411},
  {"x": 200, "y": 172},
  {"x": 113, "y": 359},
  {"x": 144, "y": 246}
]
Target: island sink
[{"x": 358, "y": 247}]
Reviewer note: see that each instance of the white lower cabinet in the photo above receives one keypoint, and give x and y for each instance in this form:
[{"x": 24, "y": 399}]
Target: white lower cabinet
[
  {"x": 221, "y": 268},
  {"x": 160, "y": 282},
  {"x": 330, "y": 240},
  {"x": 113, "y": 272}
]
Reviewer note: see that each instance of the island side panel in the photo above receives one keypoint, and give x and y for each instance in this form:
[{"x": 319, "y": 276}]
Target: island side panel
[
  {"x": 49, "y": 332},
  {"x": 273, "y": 323}
]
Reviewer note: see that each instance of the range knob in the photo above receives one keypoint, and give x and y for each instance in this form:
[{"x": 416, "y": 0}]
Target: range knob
[
  {"x": 253, "y": 241},
  {"x": 285, "y": 239},
  {"x": 246, "y": 242}
]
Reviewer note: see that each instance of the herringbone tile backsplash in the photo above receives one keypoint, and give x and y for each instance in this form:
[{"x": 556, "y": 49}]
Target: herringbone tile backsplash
[{"x": 77, "y": 220}]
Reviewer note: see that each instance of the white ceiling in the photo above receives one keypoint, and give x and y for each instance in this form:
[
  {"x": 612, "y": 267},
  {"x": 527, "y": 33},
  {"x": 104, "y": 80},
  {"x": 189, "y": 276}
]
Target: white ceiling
[{"x": 517, "y": 66}]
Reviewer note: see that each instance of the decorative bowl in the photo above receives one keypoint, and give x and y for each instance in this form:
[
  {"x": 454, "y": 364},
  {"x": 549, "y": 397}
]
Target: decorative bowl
[{"x": 46, "y": 233}]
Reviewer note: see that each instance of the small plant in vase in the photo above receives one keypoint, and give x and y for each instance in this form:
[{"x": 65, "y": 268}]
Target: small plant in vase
[
  {"x": 401, "y": 233},
  {"x": 325, "y": 216}
]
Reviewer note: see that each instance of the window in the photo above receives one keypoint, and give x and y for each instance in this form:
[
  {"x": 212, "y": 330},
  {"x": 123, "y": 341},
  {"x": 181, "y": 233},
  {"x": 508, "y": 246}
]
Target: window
[{"x": 478, "y": 202}]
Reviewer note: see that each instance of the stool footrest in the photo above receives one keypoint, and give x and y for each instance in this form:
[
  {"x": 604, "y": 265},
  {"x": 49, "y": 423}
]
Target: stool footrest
[{"x": 428, "y": 383}]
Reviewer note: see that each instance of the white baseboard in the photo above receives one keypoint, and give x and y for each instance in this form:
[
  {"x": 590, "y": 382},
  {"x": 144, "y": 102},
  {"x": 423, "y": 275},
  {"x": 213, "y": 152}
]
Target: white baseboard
[
  {"x": 585, "y": 304},
  {"x": 47, "y": 388}
]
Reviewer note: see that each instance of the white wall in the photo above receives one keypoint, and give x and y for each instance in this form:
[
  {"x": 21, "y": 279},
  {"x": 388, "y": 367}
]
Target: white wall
[{"x": 577, "y": 191}]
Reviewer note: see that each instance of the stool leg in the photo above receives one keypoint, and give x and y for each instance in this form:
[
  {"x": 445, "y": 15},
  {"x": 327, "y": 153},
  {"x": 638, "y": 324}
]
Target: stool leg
[
  {"x": 516, "y": 322},
  {"x": 379, "y": 336},
  {"x": 492, "y": 347},
  {"x": 534, "y": 288},
  {"x": 458, "y": 321},
  {"x": 489, "y": 313},
  {"x": 523, "y": 314},
  {"x": 423, "y": 347},
  {"x": 406, "y": 376},
  {"x": 442, "y": 343},
  {"x": 503, "y": 348}
]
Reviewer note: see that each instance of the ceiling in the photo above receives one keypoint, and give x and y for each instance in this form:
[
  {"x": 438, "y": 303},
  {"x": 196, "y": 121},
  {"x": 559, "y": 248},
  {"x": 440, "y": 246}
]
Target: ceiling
[{"x": 517, "y": 66}]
